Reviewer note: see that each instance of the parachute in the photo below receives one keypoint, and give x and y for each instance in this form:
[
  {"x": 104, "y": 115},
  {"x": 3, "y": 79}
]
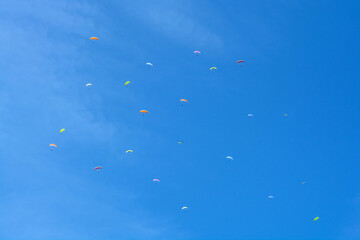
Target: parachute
[
  {"x": 94, "y": 38},
  {"x": 180, "y": 142},
  {"x": 98, "y": 168},
  {"x": 229, "y": 157},
  {"x": 52, "y": 146},
  {"x": 213, "y": 68},
  {"x": 271, "y": 197},
  {"x": 143, "y": 112},
  {"x": 62, "y": 130},
  {"x": 197, "y": 53},
  {"x": 250, "y": 115},
  {"x": 126, "y": 83},
  {"x": 88, "y": 84},
  {"x": 183, "y": 208},
  {"x": 129, "y": 151},
  {"x": 184, "y": 100},
  {"x": 149, "y": 64},
  {"x": 315, "y": 219},
  {"x": 240, "y": 61},
  {"x": 156, "y": 180}
]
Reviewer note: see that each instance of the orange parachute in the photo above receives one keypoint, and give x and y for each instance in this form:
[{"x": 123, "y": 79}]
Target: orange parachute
[
  {"x": 52, "y": 145},
  {"x": 184, "y": 100},
  {"x": 94, "y": 38},
  {"x": 143, "y": 111}
]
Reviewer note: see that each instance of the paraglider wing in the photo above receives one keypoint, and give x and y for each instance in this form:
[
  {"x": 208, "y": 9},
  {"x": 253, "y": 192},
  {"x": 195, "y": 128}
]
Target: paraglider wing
[
  {"x": 183, "y": 208},
  {"x": 129, "y": 151},
  {"x": 97, "y": 168},
  {"x": 156, "y": 180},
  {"x": 62, "y": 130},
  {"x": 52, "y": 145},
  {"x": 180, "y": 142},
  {"x": 143, "y": 111},
  {"x": 88, "y": 84},
  {"x": 240, "y": 61},
  {"x": 94, "y": 38},
  {"x": 231, "y": 158},
  {"x": 127, "y": 83},
  {"x": 149, "y": 64},
  {"x": 315, "y": 219},
  {"x": 184, "y": 100},
  {"x": 213, "y": 68}
]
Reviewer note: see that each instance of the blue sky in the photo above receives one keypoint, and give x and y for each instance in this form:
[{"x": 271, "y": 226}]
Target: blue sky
[{"x": 301, "y": 57}]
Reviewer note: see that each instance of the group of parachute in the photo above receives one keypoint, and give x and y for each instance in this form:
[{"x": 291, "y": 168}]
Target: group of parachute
[
  {"x": 155, "y": 180},
  {"x": 196, "y": 52}
]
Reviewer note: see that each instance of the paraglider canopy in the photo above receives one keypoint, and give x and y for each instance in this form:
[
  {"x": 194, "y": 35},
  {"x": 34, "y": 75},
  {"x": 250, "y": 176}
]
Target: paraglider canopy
[
  {"x": 250, "y": 115},
  {"x": 129, "y": 151},
  {"x": 240, "y": 61},
  {"x": 213, "y": 68},
  {"x": 183, "y": 208},
  {"x": 149, "y": 64},
  {"x": 94, "y": 38},
  {"x": 270, "y": 197},
  {"x": 143, "y": 111},
  {"x": 156, "y": 180},
  {"x": 62, "y": 130},
  {"x": 97, "y": 168},
  {"x": 196, "y": 51},
  {"x": 315, "y": 219},
  {"x": 88, "y": 84},
  {"x": 180, "y": 142},
  {"x": 52, "y": 145},
  {"x": 126, "y": 83},
  {"x": 229, "y": 157},
  {"x": 184, "y": 100}
]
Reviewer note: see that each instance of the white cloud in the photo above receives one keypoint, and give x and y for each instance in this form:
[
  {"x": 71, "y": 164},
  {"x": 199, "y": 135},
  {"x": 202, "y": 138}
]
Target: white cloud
[{"x": 175, "y": 20}]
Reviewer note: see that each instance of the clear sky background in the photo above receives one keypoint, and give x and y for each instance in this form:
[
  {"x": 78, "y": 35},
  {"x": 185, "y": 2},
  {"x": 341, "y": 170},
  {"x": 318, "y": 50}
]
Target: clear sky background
[{"x": 302, "y": 58}]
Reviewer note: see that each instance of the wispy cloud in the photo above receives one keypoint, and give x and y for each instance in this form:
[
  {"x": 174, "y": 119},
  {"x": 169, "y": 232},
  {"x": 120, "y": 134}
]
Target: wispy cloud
[
  {"x": 175, "y": 20},
  {"x": 42, "y": 88}
]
